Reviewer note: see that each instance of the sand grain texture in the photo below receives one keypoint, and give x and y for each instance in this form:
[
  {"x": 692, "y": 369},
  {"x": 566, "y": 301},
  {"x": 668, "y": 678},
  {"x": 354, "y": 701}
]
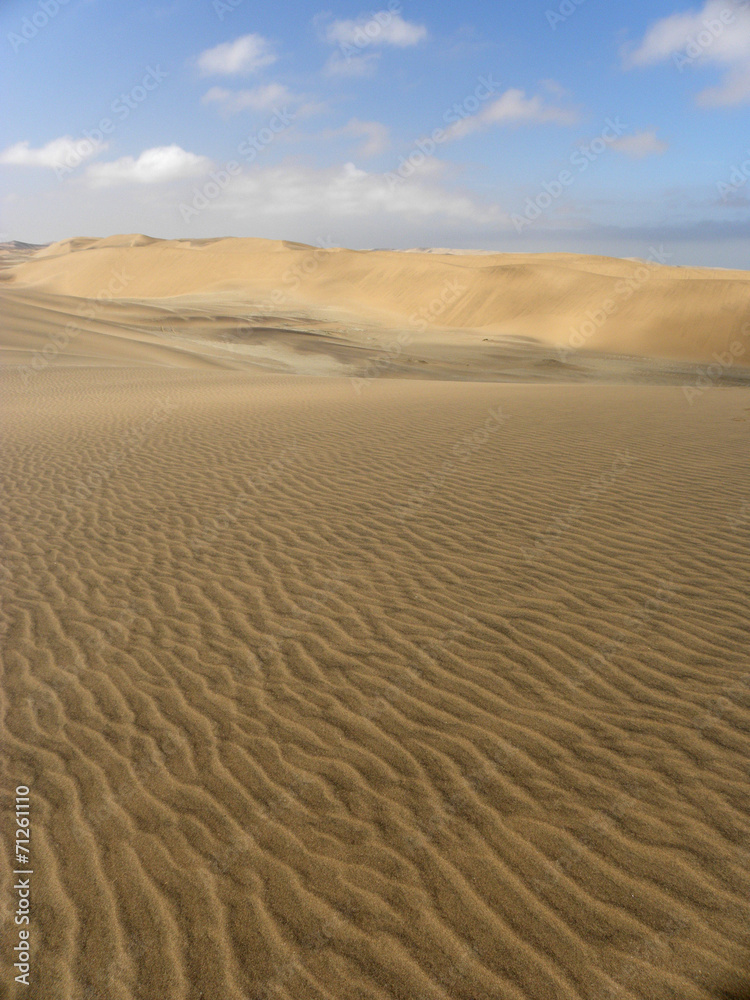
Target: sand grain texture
[{"x": 422, "y": 690}]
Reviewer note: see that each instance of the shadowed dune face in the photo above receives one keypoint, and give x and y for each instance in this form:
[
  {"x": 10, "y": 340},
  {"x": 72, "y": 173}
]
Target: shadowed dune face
[{"x": 413, "y": 690}]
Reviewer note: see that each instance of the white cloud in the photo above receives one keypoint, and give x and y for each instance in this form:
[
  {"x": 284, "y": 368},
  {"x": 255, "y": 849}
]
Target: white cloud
[
  {"x": 218, "y": 95},
  {"x": 718, "y": 34},
  {"x": 513, "y": 108},
  {"x": 62, "y": 152},
  {"x": 640, "y": 145},
  {"x": 553, "y": 87},
  {"x": 271, "y": 98},
  {"x": 358, "y": 38},
  {"x": 349, "y": 192},
  {"x": 381, "y": 28},
  {"x": 376, "y": 136},
  {"x": 735, "y": 89},
  {"x": 153, "y": 166},
  {"x": 351, "y": 66},
  {"x": 265, "y": 98},
  {"x": 244, "y": 55}
]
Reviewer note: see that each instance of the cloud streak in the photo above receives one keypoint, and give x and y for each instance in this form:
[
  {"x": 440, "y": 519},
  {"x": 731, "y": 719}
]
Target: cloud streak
[
  {"x": 513, "y": 108},
  {"x": 718, "y": 34},
  {"x": 640, "y": 145},
  {"x": 375, "y": 136},
  {"x": 382, "y": 28},
  {"x": 245, "y": 55},
  {"x": 153, "y": 166},
  {"x": 54, "y": 155},
  {"x": 264, "y": 98},
  {"x": 349, "y": 192}
]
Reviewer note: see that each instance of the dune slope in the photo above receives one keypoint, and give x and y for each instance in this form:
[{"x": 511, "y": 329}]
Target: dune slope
[{"x": 565, "y": 302}]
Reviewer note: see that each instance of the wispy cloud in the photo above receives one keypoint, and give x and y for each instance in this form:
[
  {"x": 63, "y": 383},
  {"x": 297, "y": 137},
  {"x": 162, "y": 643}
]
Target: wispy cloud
[
  {"x": 359, "y": 40},
  {"x": 264, "y": 98},
  {"x": 513, "y": 108},
  {"x": 718, "y": 34},
  {"x": 376, "y": 136},
  {"x": 54, "y": 155},
  {"x": 243, "y": 56},
  {"x": 153, "y": 166},
  {"x": 381, "y": 28},
  {"x": 640, "y": 145},
  {"x": 347, "y": 191},
  {"x": 351, "y": 66}
]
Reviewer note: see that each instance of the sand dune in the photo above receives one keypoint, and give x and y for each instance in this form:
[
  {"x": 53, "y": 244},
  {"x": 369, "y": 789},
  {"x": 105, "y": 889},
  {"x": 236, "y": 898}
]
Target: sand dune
[
  {"x": 384, "y": 688},
  {"x": 557, "y": 301}
]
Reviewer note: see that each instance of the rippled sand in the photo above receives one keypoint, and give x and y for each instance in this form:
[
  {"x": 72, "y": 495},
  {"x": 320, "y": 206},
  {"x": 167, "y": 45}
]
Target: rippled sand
[{"x": 390, "y": 689}]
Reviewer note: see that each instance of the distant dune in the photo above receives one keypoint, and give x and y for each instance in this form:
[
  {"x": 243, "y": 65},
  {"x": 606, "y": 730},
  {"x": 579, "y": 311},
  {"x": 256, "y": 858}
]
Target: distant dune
[{"x": 567, "y": 302}]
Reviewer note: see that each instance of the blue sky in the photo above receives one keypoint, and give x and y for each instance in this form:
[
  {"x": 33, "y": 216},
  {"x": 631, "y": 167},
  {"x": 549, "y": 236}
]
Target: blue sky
[{"x": 586, "y": 126}]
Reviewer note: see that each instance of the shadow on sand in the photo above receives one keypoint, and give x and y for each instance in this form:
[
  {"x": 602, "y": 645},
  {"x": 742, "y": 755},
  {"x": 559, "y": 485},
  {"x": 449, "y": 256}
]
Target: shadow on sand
[{"x": 736, "y": 990}]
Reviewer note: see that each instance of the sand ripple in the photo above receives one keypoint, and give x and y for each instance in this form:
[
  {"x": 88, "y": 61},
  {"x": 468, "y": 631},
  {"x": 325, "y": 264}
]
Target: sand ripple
[{"x": 433, "y": 692}]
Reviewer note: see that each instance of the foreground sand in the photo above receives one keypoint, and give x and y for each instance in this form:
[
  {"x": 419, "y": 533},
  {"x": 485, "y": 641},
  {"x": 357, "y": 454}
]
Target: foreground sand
[
  {"x": 359, "y": 687},
  {"x": 433, "y": 690}
]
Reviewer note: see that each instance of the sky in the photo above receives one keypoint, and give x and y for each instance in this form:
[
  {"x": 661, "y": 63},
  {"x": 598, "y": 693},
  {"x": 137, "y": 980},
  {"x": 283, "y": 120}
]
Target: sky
[{"x": 569, "y": 125}]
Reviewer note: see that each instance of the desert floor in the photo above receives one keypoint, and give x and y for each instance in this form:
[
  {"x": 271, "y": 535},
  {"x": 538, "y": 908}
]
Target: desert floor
[{"x": 341, "y": 674}]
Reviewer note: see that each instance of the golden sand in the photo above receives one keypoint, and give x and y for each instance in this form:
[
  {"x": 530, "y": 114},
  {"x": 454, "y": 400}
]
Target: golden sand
[{"x": 373, "y": 688}]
